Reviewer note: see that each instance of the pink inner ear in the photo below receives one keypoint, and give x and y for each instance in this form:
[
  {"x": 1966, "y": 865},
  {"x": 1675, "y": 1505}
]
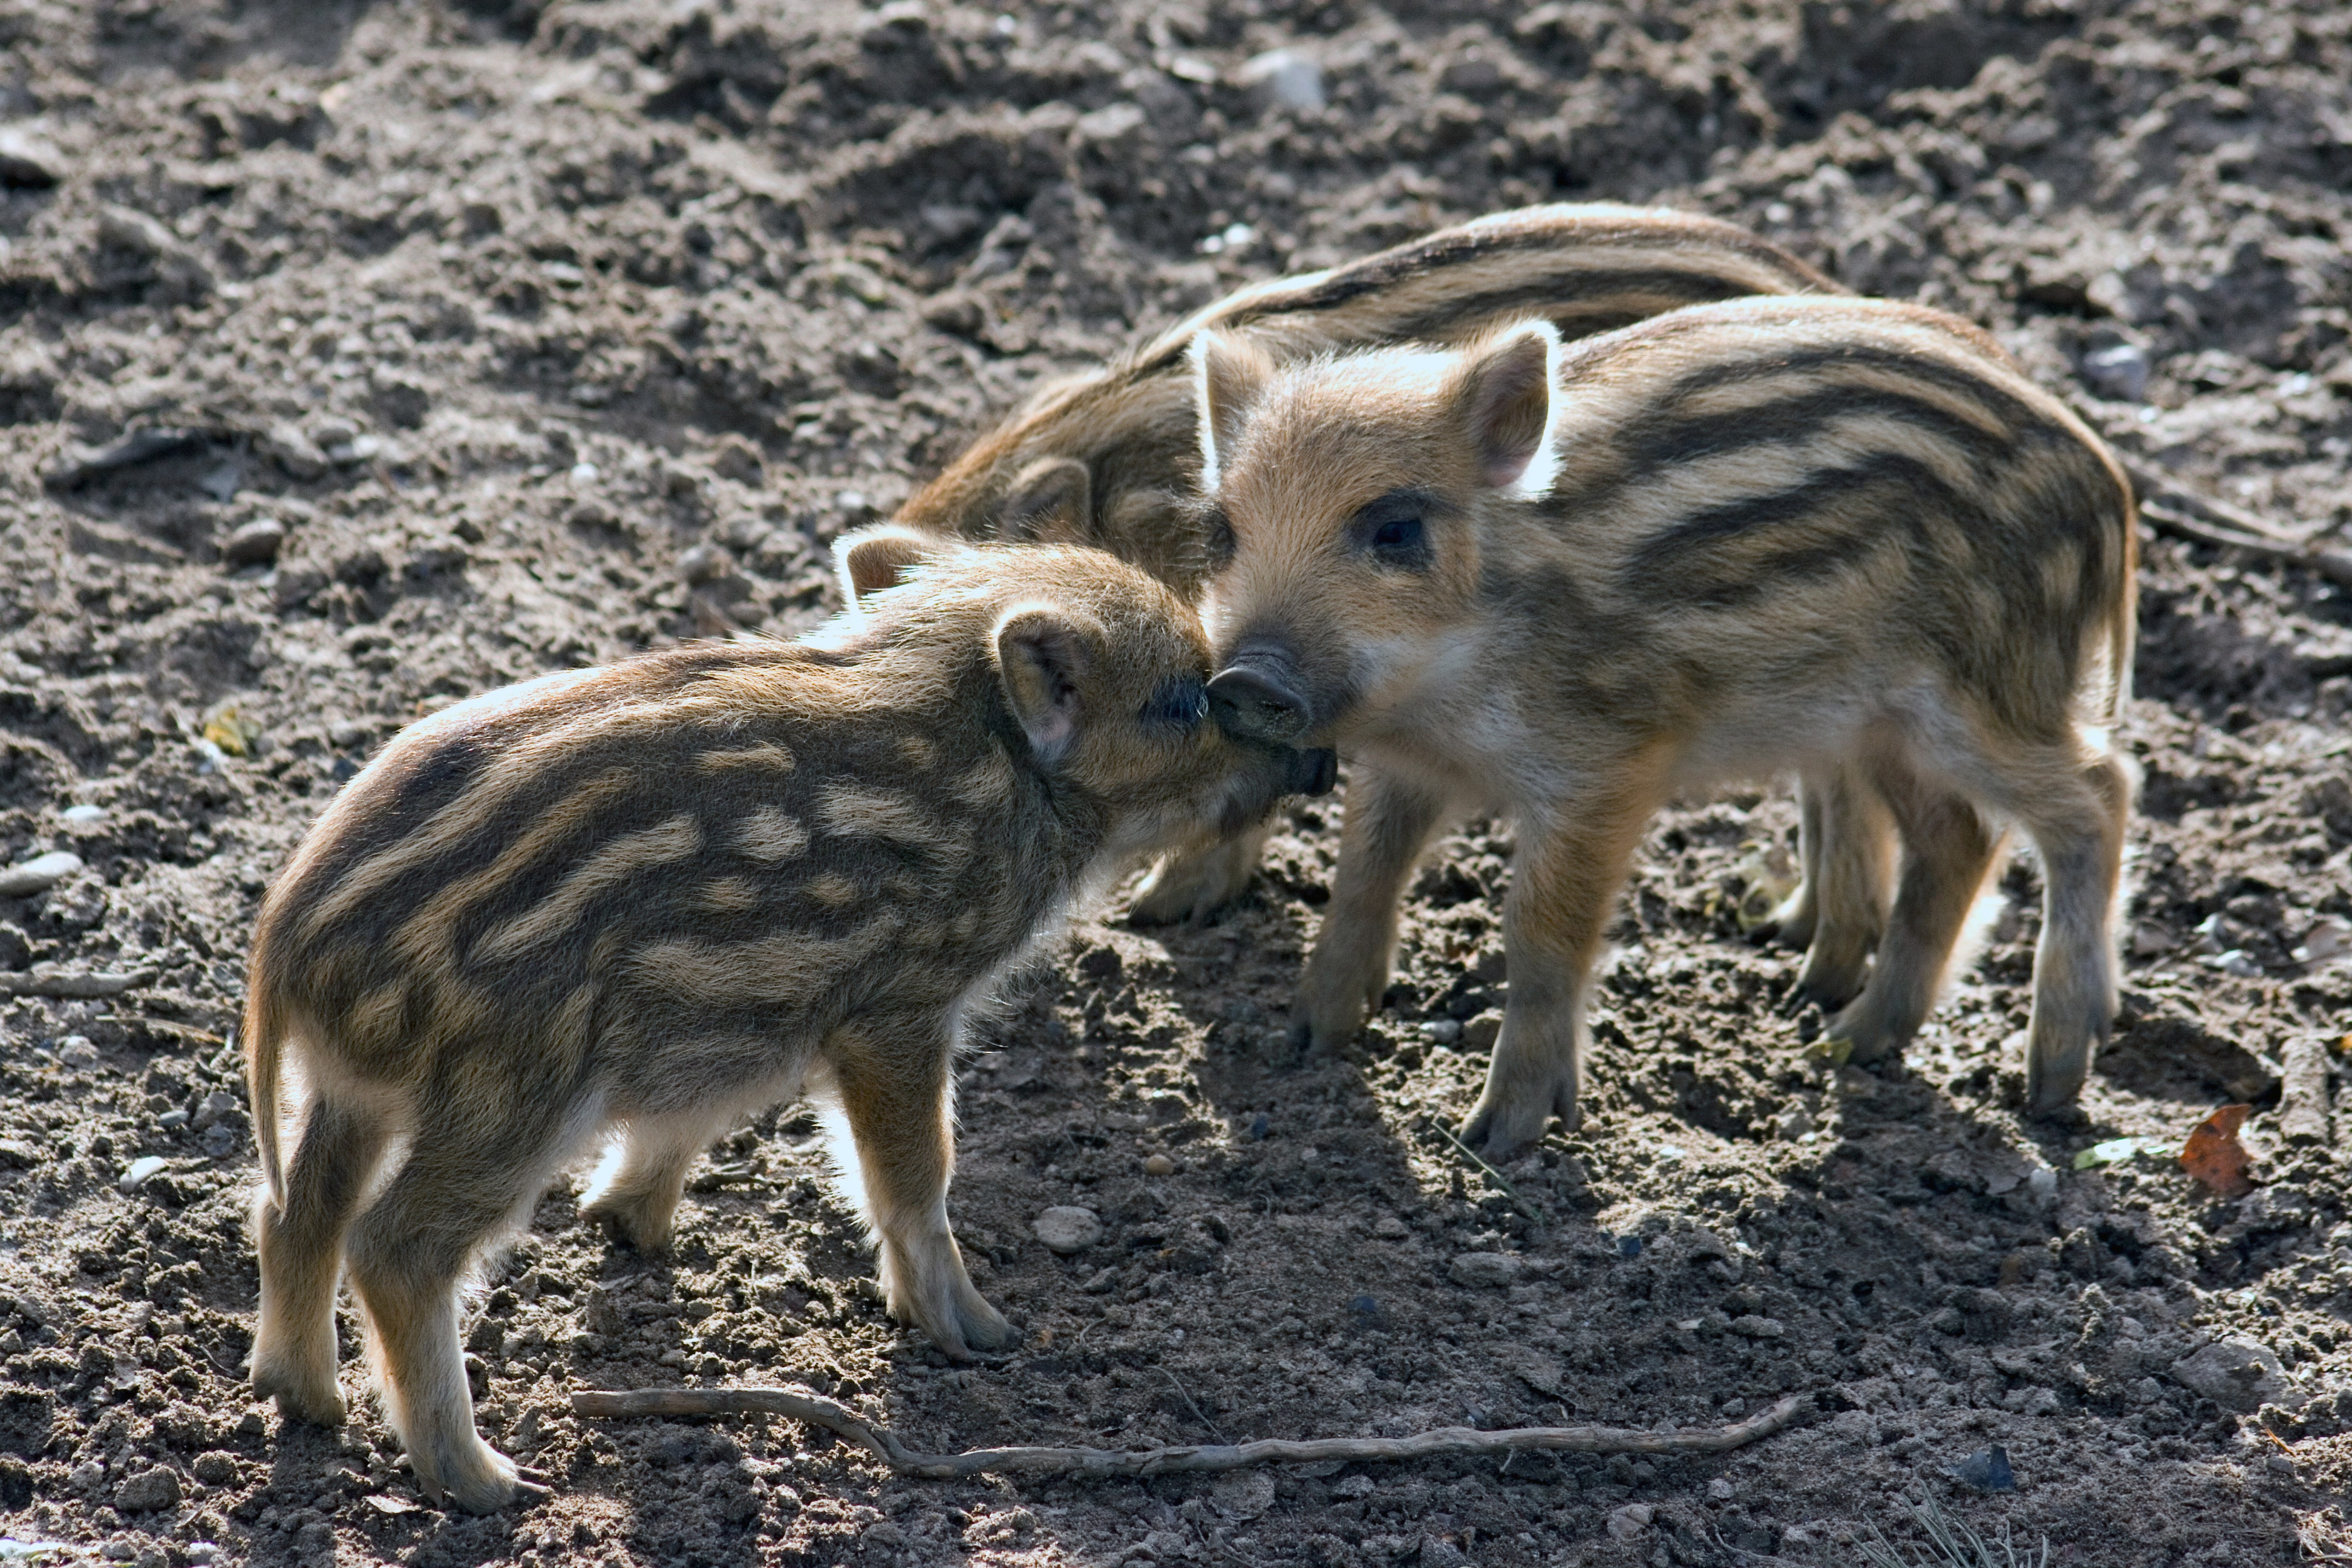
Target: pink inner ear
[
  {"x": 1052, "y": 729},
  {"x": 1510, "y": 405},
  {"x": 1502, "y": 469}
]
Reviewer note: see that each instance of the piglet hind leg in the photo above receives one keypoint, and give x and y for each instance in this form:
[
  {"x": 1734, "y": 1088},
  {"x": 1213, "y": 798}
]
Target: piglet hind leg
[
  {"x": 1562, "y": 889},
  {"x": 1848, "y": 855},
  {"x": 1388, "y": 827},
  {"x": 1947, "y": 851},
  {"x": 2077, "y": 822},
  {"x": 637, "y": 1188},
  {"x": 893, "y": 1087},
  {"x": 471, "y": 1166},
  {"x": 1192, "y": 887},
  {"x": 300, "y": 1244}
]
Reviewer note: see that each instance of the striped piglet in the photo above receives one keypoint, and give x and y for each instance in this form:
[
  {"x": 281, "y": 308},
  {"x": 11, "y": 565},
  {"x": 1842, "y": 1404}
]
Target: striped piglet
[
  {"x": 1841, "y": 538},
  {"x": 655, "y": 895}
]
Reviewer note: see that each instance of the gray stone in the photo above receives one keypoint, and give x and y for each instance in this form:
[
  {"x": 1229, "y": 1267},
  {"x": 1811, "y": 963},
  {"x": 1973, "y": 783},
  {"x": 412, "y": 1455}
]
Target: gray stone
[
  {"x": 1485, "y": 1271},
  {"x": 1065, "y": 1228},
  {"x": 1751, "y": 1326},
  {"x": 2237, "y": 1374},
  {"x": 1631, "y": 1521},
  {"x": 1287, "y": 77},
  {"x": 704, "y": 564},
  {"x": 2117, "y": 372},
  {"x": 40, "y": 873},
  {"x": 28, "y": 163},
  {"x": 255, "y": 544}
]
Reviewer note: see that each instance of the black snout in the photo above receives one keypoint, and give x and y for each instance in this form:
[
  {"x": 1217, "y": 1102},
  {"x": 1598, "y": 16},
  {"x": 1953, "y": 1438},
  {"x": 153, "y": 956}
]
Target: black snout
[
  {"x": 1314, "y": 773},
  {"x": 1253, "y": 702}
]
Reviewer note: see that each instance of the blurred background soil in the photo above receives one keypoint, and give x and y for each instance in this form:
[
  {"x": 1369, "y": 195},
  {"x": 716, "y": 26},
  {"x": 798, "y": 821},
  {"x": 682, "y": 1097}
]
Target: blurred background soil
[{"x": 355, "y": 358}]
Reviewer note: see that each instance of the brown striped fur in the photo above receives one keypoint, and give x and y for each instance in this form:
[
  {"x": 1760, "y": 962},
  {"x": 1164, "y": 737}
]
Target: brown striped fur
[
  {"x": 654, "y": 896},
  {"x": 1837, "y": 537},
  {"x": 1109, "y": 459}
]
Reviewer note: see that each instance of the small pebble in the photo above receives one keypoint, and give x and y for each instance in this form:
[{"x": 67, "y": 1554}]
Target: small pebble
[
  {"x": 78, "y": 814},
  {"x": 255, "y": 544},
  {"x": 704, "y": 564},
  {"x": 28, "y": 163},
  {"x": 40, "y": 873},
  {"x": 1631, "y": 1521},
  {"x": 2117, "y": 372},
  {"x": 585, "y": 474},
  {"x": 2043, "y": 1183},
  {"x": 1629, "y": 1247},
  {"x": 218, "y": 1104},
  {"x": 343, "y": 734},
  {"x": 141, "y": 1169},
  {"x": 1159, "y": 1166},
  {"x": 1067, "y": 1228},
  {"x": 172, "y": 1118},
  {"x": 1287, "y": 77},
  {"x": 1720, "y": 1489},
  {"x": 75, "y": 1051},
  {"x": 1444, "y": 1031}
]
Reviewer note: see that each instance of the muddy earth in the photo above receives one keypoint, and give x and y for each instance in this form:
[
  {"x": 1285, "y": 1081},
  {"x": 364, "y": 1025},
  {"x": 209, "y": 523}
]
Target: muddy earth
[{"x": 356, "y": 358}]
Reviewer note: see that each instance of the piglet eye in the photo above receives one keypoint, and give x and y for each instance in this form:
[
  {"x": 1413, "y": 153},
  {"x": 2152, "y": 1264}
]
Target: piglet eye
[
  {"x": 1217, "y": 538},
  {"x": 1394, "y": 530},
  {"x": 1181, "y": 703}
]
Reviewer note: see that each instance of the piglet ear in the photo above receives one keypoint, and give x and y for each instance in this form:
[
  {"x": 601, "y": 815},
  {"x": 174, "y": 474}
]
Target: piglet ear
[
  {"x": 1503, "y": 395},
  {"x": 873, "y": 558},
  {"x": 1049, "y": 503},
  {"x": 1228, "y": 374},
  {"x": 1044, "y": 653}
]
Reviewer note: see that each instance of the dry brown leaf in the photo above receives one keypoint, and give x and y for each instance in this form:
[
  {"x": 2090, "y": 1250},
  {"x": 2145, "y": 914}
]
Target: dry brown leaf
[{"x": 2215, "y": 1157}]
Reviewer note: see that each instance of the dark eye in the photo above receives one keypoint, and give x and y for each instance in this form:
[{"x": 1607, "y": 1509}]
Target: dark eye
[
  {"x": 1394, "y": 530},
  {"x": 1181, "y": 703},
  {"x": 1217, "y": 538}
]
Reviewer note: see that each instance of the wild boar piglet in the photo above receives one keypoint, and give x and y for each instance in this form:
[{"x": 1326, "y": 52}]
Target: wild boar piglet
[
  {"x": 652, "y": 897},
  {"x": 1840, "y": 538},
  {"x": 1110, "y": 457}
]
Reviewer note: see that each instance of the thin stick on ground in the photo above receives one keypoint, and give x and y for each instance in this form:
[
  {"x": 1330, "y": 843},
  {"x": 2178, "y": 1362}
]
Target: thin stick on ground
[
  {"x": 1493, "y": 1175},
  {"x": 800, "y": 1404},
  {"x": 2170, "y": 508}
]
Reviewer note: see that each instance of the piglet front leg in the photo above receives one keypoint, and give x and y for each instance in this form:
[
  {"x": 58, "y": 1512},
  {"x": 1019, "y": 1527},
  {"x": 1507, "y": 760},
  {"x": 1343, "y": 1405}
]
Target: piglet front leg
[
  {"x": 893, "y": 1083},
  {"x": 1563, "y": 885}
]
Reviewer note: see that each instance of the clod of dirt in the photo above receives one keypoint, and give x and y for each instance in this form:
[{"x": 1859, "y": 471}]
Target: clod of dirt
[{"x": 2239, "y": 1375}]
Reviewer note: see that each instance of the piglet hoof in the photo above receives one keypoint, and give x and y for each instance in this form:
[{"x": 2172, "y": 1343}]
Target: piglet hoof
[
  {"x": 320, "y": 1406},
  {"x": 1498, "y": 1131},
  {"x": 482, "y": 1481},
  {"x": 626, "y": 1225}
]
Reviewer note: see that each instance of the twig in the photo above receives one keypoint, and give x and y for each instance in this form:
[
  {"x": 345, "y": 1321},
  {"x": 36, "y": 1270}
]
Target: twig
[
  {"x": 884, "y": 1444},
  {"x": 100, "y": 984},
  {"x": 1493, "y": 1175},
  {"x": 1195, "y": 1409},
  {"x": 2332, "y": 565},
  {"x": 2201, "y": 519}
]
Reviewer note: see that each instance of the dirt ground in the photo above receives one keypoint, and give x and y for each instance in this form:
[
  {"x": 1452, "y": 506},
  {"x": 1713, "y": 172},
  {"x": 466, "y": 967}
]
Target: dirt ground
[{"x": 464, "y": 334}]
